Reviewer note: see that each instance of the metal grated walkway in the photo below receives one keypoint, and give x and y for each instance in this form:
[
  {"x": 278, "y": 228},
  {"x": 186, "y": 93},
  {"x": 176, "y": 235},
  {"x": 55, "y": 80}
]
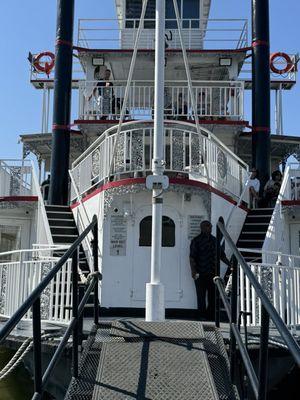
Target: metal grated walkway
[{"x": 168, "y": 360}]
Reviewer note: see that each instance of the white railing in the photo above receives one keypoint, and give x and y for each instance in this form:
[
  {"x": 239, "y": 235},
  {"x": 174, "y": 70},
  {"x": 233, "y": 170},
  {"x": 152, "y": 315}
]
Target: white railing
[
  {"x": 15, "y": 178},
  {"x": 277, "y": 238},
  {"x": 20, "y": 273},
  {"x": 215, "y": 99},
  {"x": 185, "y": 150},
  {"x": 18, "y": 178},
  {"x": 197, "y": 33},
  {"x": 280, "y": 281}
]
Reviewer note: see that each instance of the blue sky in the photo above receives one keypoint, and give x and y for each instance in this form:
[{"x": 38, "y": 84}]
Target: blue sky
[{"x": 30, "y": 26}]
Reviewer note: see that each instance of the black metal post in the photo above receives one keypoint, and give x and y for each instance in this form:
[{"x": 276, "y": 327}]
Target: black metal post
[
  {"x": 263, "y": 355},
  {"x": 75, "y": 333},
  {"x": 261, "y": 139},
  {"x": 96, "y": 269},
  {"x": 234, "y": 294},
  {"x": 37, "y": 347},
  {"x": 217, "y": 273},
  {"x": 62, "y": 103}
]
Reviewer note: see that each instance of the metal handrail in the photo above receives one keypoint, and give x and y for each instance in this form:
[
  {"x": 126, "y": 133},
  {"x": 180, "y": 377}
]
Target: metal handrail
[
  {"x": 34, "y": 302},
  {"x": 258, "y": 384}
]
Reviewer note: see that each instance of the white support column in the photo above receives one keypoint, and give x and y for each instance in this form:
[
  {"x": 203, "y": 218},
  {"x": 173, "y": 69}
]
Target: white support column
[{"x": 155, "y": 304}]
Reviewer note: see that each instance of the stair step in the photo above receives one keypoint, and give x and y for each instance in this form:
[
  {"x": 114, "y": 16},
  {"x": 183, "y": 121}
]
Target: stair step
[
  {"x": 250, "y": 244},
  {"x": 258, "y": 227},
  {"x": 66, "y": 215},
  {"x": 260, "y": 211},
  {"x": 252, "y": 235},
  {"x": 258, "y": 219},
  {"x": 50, "y": 207},
  {"x": 61, "y": 222},
  {"x": 61, "y": 230}
]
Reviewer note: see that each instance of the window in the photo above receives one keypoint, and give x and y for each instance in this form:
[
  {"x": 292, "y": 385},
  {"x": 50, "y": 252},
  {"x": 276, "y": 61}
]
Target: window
[
  {"x": 133, "y": 13},
  {"x": 168, "y": 232}
]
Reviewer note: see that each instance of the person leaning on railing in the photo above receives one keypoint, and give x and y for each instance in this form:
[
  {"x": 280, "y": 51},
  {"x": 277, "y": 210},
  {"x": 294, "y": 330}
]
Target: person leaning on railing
[{"x": 101, "y": 92}]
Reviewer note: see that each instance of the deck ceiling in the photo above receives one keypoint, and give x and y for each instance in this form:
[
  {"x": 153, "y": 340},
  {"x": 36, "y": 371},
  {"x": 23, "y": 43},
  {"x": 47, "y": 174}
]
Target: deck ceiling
[
  {"x": 281, "y": 146},
  {"x": 204, "y": 65}
]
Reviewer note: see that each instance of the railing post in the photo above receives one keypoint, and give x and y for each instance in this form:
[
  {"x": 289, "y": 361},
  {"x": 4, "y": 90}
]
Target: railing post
[
  {"x": 75, "y": 334},
  {"x": 234, "y": 294},
  {"x": 217, "y": 273},
  {"x": 263, "y": 354},
  {"x": 37, "y": 347},
  {"x": 96, "y": 269}
]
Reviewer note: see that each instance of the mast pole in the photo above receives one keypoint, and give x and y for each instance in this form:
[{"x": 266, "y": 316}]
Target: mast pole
[
  {"x": 62, "y": 103},
  {"x": 155, "y": 308},
  {"x": 261, "y": 134}
]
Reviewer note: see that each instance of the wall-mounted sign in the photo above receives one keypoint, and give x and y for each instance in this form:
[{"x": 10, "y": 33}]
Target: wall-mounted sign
[
  {"x": 194, "y": 222},
  {"x": 118, "y": 235}
]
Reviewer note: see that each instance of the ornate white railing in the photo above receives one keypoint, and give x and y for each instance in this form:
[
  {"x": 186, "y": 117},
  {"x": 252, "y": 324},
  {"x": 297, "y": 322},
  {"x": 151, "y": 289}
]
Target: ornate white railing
[
  {"x": 215, "y": 99},
  {"x": 197, "y": 33},
  {"x": 20, "y": 273},
  {"x": 281, "y": 282},
  {"x": 185, "y": 150},
  {"x": 15, "y": 178}
]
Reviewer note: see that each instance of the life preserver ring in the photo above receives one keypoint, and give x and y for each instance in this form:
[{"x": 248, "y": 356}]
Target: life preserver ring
[
  {"x": 45, "y": 67},
  {"x": 289, "y": 63}
]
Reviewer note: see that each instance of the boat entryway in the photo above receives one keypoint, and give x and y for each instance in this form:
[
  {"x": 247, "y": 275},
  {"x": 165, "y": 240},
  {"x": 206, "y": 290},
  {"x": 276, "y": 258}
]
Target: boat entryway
[{"x": 170, "y": 273}]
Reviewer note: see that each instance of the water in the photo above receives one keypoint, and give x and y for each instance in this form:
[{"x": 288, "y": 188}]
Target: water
[{"x": 18, "y": 385}]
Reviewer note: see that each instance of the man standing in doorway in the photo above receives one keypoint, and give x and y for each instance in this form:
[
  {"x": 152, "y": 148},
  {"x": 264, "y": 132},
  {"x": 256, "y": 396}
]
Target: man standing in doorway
[{"x": 203, "y": 257}]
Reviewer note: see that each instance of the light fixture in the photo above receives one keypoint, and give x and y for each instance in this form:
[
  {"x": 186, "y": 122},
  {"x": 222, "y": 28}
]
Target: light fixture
[
  {"x": 225, "y": 62},
  {"x": 98, "y": 61}
]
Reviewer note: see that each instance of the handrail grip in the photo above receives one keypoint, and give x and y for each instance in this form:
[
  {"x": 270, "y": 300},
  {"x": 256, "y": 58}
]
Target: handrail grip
[
  {"x": 280, "y": 325},
  {"x": 243, "y": 351},
  {"x": 16, "y": 317}
]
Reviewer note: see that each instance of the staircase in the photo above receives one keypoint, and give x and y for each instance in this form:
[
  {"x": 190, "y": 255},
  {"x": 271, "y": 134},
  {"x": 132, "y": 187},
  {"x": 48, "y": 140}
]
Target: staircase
[
  {"x": 172, "y": 360},
  {"x": 64, "y": 232},
  {"x": 254, "y": 232}
]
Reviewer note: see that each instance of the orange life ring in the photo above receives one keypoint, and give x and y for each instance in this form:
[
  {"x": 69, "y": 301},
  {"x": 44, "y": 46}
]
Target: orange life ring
[
  {"x": 289, "y": 63},
  {"x": 46, "y": 67}
]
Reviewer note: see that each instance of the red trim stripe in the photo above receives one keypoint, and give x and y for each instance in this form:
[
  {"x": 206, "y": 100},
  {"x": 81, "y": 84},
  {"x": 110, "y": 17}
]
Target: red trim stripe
[
  {"x": 63, "y": 42},
  {"x": 202, "y": 122},
  {"x": 290, "y": 202},
  {"x": 260, "y": 43},
  {"x": 261, "y": 129},
  {"x": 176, "y": 181},
  {"x": 18, "y": 198},
  {"x": 227, "y": 51}
]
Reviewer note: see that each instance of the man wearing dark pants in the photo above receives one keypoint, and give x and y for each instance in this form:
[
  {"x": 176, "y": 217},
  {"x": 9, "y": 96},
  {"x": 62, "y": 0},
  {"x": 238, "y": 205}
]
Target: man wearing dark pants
[{"x": 203, "y": 257}]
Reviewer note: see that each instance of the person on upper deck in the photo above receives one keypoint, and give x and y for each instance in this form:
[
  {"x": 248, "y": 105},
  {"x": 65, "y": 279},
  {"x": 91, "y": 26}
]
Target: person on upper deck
[
  {"x": 105, "y": 95},
  {"x": 203, "y": 258},
  {"x": 180, "y": 108},
  {"x": 271, "y": 189},
  {"x": 253, "y": 184}
]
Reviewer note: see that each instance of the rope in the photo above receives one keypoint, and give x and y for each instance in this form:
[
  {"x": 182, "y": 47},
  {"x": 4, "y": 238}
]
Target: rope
[
  {"x": 23, "y": 350},
  {"x": 129, "y": 80},
  {"x": 190, "y": 85}
]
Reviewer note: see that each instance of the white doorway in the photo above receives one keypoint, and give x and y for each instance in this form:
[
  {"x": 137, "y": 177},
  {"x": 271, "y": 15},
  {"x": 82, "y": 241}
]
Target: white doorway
[{"x": 171, "y": 237}]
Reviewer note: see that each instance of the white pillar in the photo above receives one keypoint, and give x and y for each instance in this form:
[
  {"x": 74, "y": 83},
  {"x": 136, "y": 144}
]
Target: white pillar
[{"x": 155, "y": 308}]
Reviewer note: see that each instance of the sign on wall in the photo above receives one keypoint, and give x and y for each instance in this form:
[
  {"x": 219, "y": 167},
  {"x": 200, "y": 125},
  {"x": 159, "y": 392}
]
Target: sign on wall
[
  {"x": 194, "y": 222},
  {"x": 118, "y": 235}
]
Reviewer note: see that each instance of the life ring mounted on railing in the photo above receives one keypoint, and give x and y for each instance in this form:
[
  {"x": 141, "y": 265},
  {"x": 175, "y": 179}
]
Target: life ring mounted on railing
[
  {"x": 45, "y": 66},
  {"x": 289, "y": 63}
]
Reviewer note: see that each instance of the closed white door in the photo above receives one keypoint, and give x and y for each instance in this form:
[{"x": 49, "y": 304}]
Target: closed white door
[{"x": 170, "y": 270}]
